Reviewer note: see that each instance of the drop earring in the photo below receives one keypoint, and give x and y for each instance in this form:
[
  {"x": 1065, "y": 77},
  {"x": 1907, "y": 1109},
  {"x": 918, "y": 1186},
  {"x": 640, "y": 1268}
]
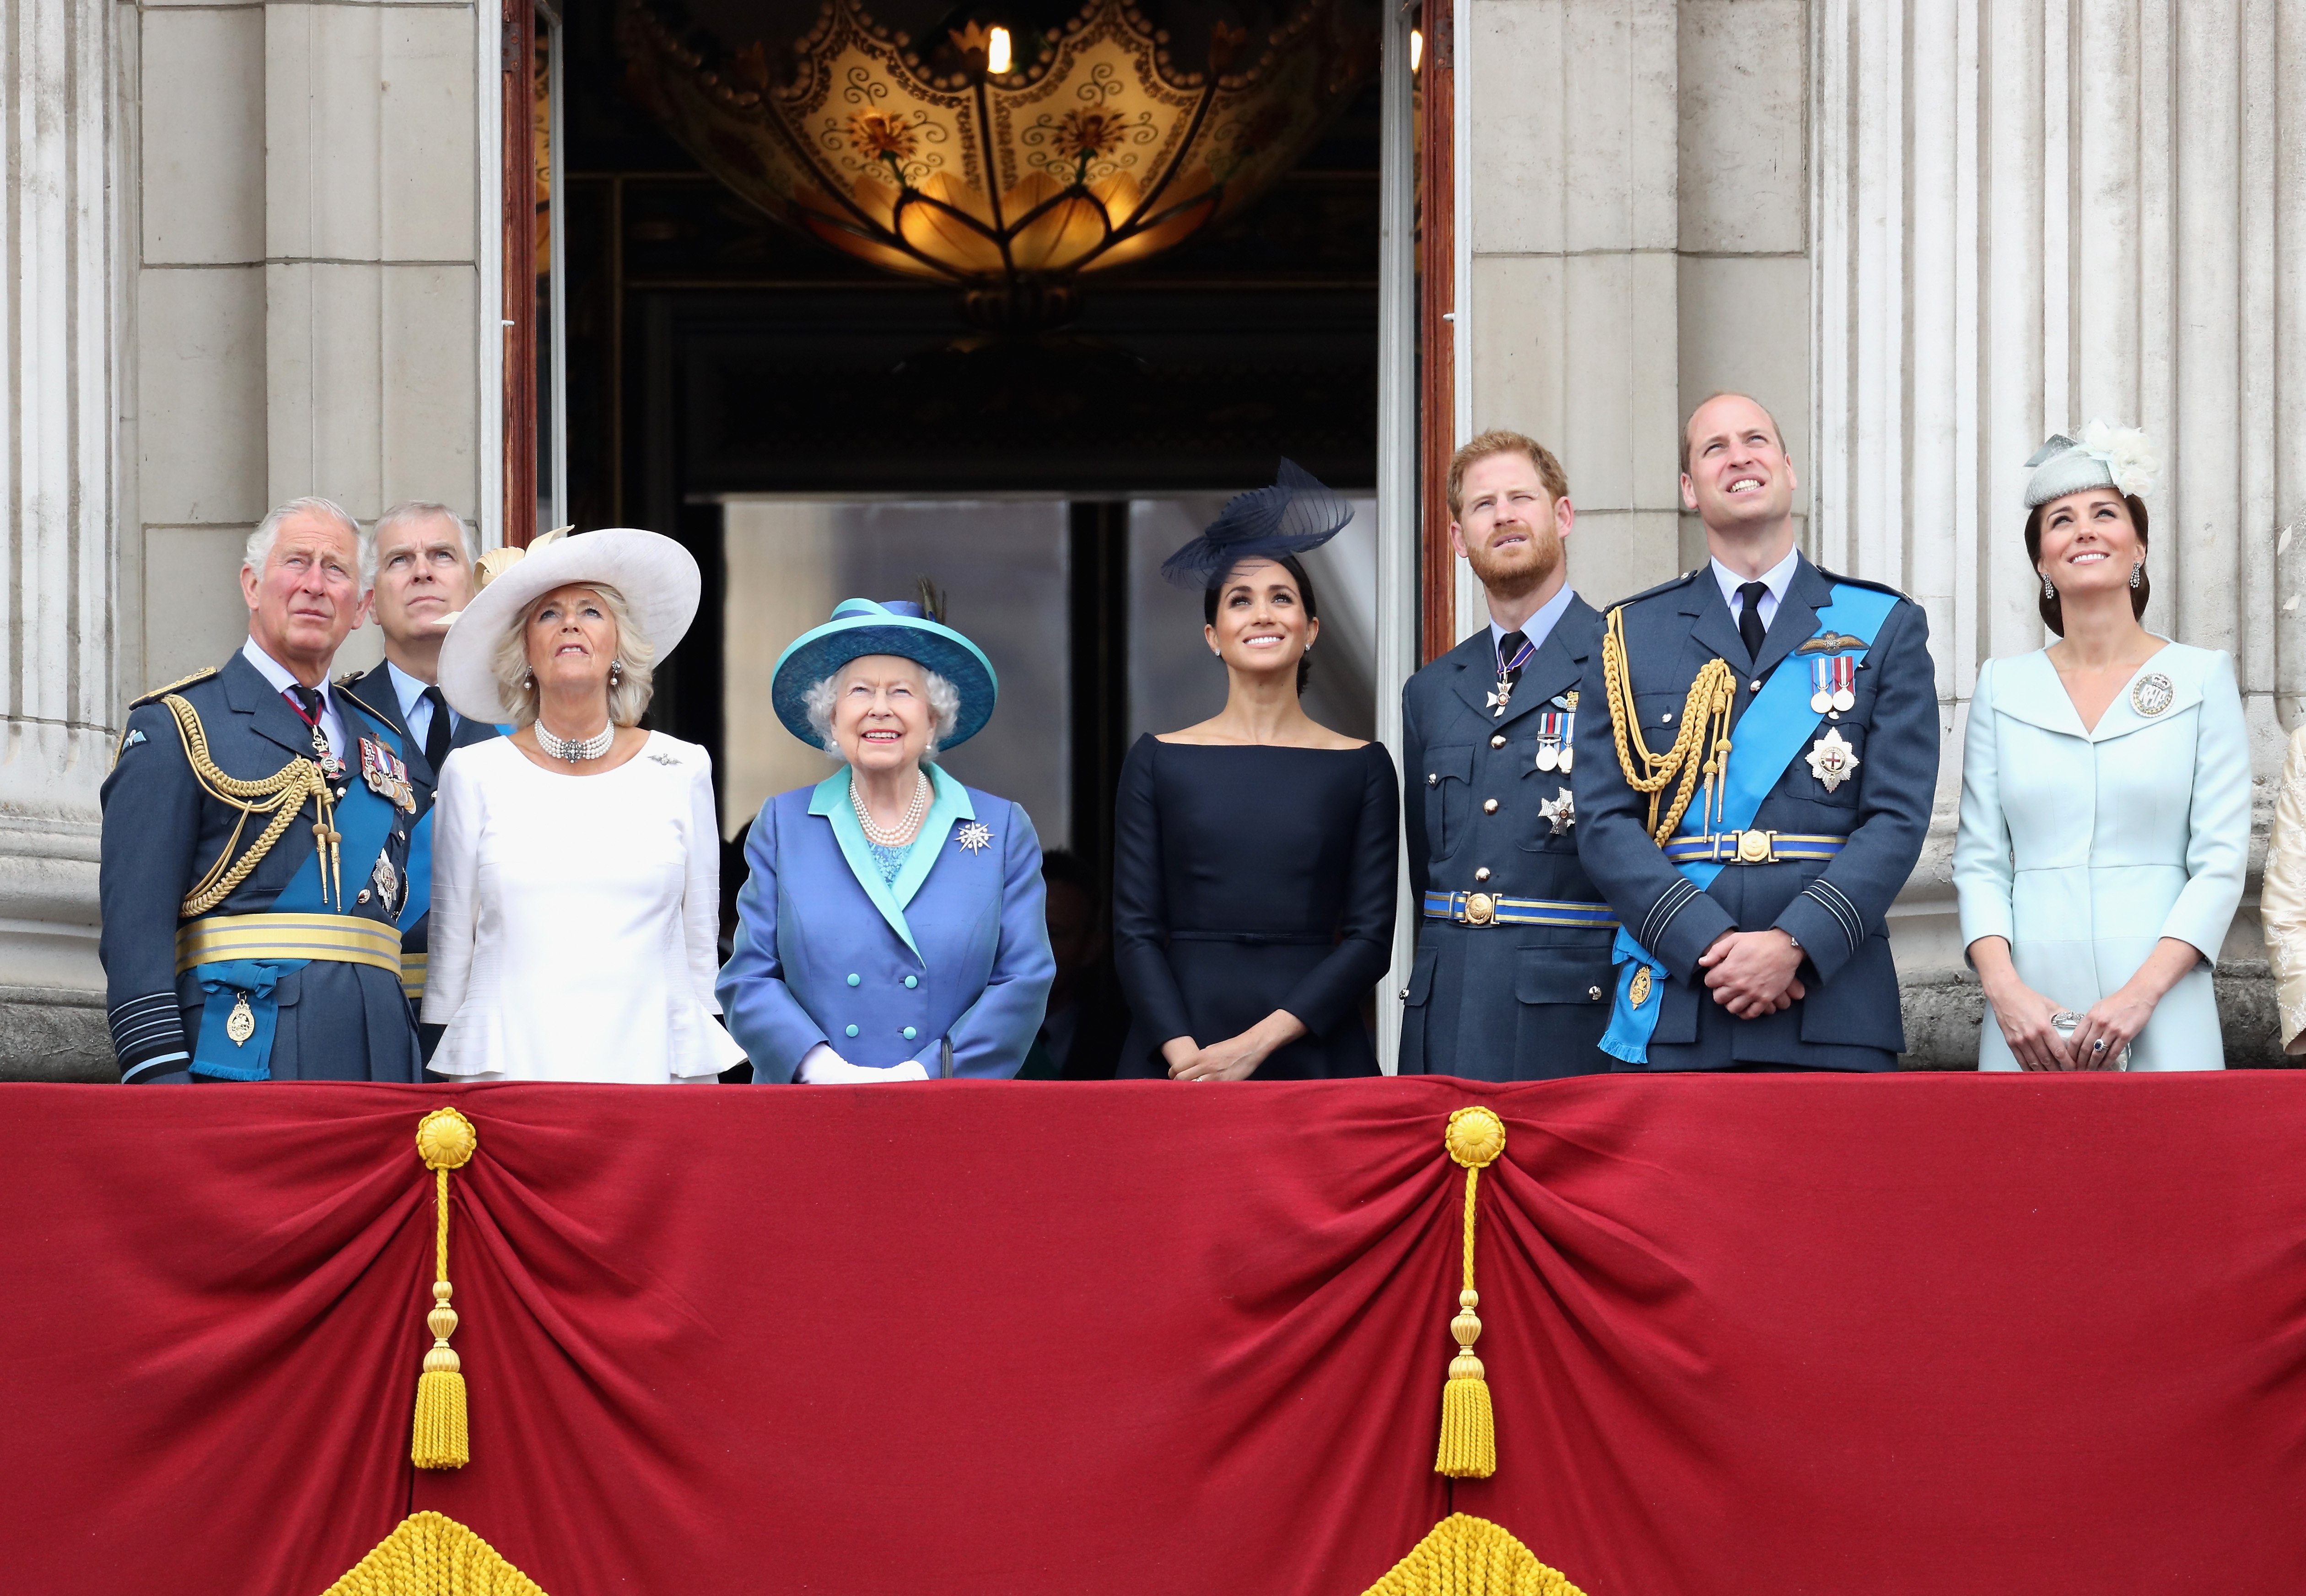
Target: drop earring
[
  {"x": 2049, "y": 588},
  {"x": 2134, "y": 573},
  {"x": 616, "y": 672}
]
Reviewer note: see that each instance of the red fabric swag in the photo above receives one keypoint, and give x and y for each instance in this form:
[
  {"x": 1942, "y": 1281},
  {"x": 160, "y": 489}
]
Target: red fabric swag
[{"x": 1750, "y": 1334}]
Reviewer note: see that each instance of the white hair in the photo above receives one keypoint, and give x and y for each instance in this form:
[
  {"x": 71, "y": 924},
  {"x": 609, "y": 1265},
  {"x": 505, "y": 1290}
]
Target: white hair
[
  {"x": 944, "y": 709},
  {"x": 408, "y": 512},
  {"x": 635, "y": 658},
  {"x": 267, "y": 533}
]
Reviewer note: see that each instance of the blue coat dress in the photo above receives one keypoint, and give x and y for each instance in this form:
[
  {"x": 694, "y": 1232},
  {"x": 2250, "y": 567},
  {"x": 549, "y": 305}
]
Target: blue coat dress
[{"x": 956, "y": 950}]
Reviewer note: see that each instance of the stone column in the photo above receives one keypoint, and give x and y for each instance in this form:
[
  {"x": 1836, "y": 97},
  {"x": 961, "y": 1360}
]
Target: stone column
[
  {"x": 2030, "y": 213},
  {"x": 57, "y": 474}
]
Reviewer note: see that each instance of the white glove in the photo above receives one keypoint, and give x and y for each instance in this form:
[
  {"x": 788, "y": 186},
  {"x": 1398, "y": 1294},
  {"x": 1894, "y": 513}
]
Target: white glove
[{"x": 821, "y": 1066}]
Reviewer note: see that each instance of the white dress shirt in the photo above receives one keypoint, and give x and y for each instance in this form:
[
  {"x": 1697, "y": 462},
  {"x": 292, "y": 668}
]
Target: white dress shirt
[
  {"x": 1538, "y": 628},
  {"x": 283, "y": 679},
  {"x": 415, "y": 709},
  {"x": 1777, "y": 579}
]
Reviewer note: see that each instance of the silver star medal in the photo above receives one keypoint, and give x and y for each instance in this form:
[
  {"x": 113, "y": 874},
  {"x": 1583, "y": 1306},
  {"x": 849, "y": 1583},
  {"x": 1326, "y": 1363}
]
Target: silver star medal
[
  {"x": 976, "y": 836},
  {"x": 1501, "y": 698},
  {"x": 387, "y": 881},
  {"x": 1832, "y": 760},
  {"x": 1560, "y": 812}
]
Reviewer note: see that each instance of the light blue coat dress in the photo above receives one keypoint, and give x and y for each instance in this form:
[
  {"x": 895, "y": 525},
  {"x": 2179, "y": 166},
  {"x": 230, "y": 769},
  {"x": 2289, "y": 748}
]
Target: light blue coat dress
[
  {"x": 955, "y": 950},
  {"x": 2085, "y": 849}
]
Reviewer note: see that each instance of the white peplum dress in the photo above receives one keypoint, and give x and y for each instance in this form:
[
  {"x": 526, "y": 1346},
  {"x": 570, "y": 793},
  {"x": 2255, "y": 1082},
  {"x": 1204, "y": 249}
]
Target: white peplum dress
[{"x": 576, "y": 919}]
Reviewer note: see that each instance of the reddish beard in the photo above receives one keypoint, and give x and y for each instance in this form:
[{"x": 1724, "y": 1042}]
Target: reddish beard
[{"x": 1522, "y": 572}]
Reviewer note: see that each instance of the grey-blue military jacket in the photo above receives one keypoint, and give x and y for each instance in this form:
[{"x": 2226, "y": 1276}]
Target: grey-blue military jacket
[
  {"x": 162, "y": 832},
  {"x": 1834, "y": 908},
  {"x": 1498, "y": 1000}
]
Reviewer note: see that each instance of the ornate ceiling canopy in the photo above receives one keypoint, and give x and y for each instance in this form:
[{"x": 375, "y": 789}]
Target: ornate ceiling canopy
[{"x": 998, "y": 154}]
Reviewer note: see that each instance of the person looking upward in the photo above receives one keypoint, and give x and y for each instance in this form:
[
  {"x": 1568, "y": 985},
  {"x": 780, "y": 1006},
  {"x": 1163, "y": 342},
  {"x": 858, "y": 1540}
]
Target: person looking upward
[{"x": 1756, "y": 757}]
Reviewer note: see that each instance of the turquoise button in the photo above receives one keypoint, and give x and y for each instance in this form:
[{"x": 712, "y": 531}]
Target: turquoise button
[
  {"x": 909, "y": 1033},
  {"x": 853, "y": 979},
  {"x": 852, "y": 1030},
  {"x": 912, "y": 980}
]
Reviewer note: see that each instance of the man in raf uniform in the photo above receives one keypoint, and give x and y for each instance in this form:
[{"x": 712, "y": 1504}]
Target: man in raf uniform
[
  {"x": 256, "y": 829},
  {"x": 1512, "y": 971},
  {"x": 1756, "y": 761},
  {"x": 421, "y": 578}
]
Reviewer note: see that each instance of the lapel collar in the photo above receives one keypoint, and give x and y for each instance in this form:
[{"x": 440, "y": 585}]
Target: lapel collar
[
  {"x": 1552, "y": 671},
  {"x": 948, "y": 809},
  {"x": 249, "y": 694},
  {"x": 2026, "y": 688},
  {"x": 1715, "y": 628},
  {"x": 832, "y": 800},
  {"x": 1477, "y": 670},
  {"x": 1796, "y": 621},
  {"x": 372, "y": 696}
]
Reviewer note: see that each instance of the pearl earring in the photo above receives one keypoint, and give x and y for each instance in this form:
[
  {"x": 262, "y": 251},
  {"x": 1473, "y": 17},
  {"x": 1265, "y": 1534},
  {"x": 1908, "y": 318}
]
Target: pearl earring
[{"x": 616, "y": 672}]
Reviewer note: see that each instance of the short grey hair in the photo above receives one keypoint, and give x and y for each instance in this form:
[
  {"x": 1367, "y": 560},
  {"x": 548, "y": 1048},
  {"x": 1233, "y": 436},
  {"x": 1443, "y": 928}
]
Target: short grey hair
[
  {"x": 944, "y": 709},
  {"x": 628, "y": 696},
  {"x": 407, "y": 512},
  {"x": 267, "y": 533}
]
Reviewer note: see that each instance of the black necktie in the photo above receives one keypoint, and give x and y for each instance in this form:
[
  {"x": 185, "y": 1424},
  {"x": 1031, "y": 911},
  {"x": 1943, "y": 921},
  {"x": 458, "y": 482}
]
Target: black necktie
[
  {"x": 1509, "y": 646},
  {"x": 436, "y": 735},
  {"x": 1749, "y": 624},
  {"x": 308, "y": 709}
]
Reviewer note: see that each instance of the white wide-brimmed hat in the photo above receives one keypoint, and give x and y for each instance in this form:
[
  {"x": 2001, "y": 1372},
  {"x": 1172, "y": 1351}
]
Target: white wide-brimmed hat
[{"x": 657, "y": 577}]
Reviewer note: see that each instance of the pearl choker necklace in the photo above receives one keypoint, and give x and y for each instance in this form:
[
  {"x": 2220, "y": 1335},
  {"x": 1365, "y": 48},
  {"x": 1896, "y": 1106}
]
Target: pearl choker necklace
[
  {"x": 575, "y": 749},
  {"x": 897, "y": 835}
]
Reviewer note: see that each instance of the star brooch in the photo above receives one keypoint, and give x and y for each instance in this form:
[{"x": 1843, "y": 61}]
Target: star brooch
[{"x": 976, "y": 836}]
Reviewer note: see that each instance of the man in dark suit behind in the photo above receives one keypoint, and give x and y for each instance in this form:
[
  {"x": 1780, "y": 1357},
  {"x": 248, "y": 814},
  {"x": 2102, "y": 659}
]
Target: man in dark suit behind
[
  {"x": 1512, "y": 977},
  {"x": 420, "y": 565}
]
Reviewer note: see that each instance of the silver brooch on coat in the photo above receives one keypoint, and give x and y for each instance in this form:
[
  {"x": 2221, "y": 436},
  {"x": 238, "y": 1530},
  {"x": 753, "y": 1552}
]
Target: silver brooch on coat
[
  {"x": 1560, "y": 812},
  {"x": 2149, "y": 695},
  {"x": 1832, "y": 760},
  {"x": 388, "y": 883},
  {"x": 976, "y": 836}
]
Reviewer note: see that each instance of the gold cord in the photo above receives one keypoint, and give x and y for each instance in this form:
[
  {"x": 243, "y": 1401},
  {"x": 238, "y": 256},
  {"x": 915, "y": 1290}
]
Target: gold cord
[
  {"x": 280, "y": 795},
  {"x": 1704, "y": 725}
]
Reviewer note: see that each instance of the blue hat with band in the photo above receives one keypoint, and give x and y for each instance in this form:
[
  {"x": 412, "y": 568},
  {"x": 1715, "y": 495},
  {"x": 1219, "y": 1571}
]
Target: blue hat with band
[{"x": 858, "y": 627}]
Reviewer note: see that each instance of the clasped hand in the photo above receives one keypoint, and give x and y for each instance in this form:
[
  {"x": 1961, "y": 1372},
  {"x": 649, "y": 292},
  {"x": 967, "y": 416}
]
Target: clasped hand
[
  {"x": 1752, "y": 973},
  {"x": 1237, "y": 1058}
]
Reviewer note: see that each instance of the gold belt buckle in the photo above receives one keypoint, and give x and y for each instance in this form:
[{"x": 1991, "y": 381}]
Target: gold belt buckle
[
  {"x": 1757, "y": 848},
  {"x": 1480, "y": 908}
]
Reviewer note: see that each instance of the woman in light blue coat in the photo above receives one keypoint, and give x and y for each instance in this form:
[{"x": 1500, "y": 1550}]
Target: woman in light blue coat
[
  {"x": 2104, "y": 798},
  {"x": 893, "y": 927}
]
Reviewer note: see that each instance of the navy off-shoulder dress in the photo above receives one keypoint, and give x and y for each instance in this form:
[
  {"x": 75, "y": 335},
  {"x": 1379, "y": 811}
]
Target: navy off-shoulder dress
[{"x": 1248, "y": 879}]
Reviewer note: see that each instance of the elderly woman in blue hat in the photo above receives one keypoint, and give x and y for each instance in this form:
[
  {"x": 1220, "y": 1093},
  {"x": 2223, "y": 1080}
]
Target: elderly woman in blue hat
[{"x": 893, "y": 927}]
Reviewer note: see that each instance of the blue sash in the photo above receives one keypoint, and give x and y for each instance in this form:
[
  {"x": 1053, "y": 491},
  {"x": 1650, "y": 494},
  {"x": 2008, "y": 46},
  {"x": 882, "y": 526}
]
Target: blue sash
[
  {"x": 1769, "y": 737},
  {"x": 363, "y": 822}
]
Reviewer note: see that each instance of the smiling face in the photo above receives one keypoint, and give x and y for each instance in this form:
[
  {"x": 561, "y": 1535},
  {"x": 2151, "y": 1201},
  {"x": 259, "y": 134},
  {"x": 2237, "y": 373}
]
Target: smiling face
[
  {"x": 571, "y": 639},
  {"x": 1738, "y": 476},
  {"x": 1511, "y": 527},
  {"x": 421, "y": 576},
  {"x": 307, "y": 597},
  {"x": 1261, "y": 626},
  {"x": 2089, "y": 543},
  {"x": 882, "y": 718}
]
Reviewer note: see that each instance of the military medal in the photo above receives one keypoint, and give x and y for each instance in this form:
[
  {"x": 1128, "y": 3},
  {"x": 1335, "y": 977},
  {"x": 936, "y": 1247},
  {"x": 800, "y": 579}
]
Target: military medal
[
  {"x": 2152, "y": 694},
  {"x": 1559, "y": 811},
  {"x": 1832, "y": 760},
  {"x": 1503, "y": 697},
  {"x": 240, "y": 1023},
  {"x": 386, "y": 775},
  {"x": 1834, "y": 679},
  {"x": 387, "y": 881},
  {"x": 1638, "y": 990}
]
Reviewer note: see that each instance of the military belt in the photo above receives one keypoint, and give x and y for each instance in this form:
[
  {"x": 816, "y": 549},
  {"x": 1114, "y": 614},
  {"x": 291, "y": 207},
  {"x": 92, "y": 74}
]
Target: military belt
[
  {"x": 413, "y": 969},
  {"x": 1752, "y": 848},
  {"x": 1488, "y": 908},
  {"x": 217, "y": 939}
]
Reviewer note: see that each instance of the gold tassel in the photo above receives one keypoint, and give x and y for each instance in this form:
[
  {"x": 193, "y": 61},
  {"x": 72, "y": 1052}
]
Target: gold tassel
[
  {"x": 445, "y": 1140},
  {"x": 1469, "y": 1437}
]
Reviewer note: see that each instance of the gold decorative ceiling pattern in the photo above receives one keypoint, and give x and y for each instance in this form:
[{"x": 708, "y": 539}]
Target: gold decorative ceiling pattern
[{"x": 1096, "y": 150}]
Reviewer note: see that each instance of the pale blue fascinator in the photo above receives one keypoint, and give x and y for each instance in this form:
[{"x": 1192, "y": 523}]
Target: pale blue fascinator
[
  {"x": 858, "y": 627},
  {"x": 2101, "y": 455}
]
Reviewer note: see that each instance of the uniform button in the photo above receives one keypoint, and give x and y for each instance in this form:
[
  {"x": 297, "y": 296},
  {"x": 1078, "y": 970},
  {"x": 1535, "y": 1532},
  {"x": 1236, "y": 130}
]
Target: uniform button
[
  {"x": 1593, "y": 994},
  {"x": 1483, "y": 874},
  {"x": 1498, "y": 741},
  {"x": 853, "y": 979},
  {"x": 850, "y": 1031},
  {"x": 1489, "y": 806},
  {"x": 1666, "y": 719},
  {"x": 1433, "y": 779},
  {"x": 910, "y": 1033},
  {"x": 912, "y": 980},
  {"x": 364, "y": 897},
  {"x": 1755, "y": 685}
]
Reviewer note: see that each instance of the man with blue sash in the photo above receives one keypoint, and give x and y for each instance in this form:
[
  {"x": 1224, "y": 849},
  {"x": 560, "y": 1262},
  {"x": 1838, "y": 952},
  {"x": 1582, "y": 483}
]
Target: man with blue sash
[
  {"x": 255, "y": 852},
  {"x": 1512, "y": 977},
  {"x": 419, "y": 566},
  {"x": 1756, "y": 757}
]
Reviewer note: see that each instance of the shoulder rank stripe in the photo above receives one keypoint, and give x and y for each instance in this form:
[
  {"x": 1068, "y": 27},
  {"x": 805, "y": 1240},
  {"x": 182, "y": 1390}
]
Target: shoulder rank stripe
[{"x": 156, "y": 694}]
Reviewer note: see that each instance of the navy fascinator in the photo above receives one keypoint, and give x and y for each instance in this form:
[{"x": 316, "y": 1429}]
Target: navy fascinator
[{"x": 1295, "y": 513}]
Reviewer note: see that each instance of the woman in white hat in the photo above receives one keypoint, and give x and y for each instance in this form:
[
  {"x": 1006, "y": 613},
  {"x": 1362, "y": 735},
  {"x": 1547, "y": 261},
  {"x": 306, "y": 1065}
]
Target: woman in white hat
[
  {"x": 575, "y": 864},
  {"x": 2105, "y": 797}
]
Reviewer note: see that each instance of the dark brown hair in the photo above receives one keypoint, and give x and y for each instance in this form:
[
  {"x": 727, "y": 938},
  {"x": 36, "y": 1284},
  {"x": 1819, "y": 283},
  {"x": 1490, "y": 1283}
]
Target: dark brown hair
[
  {"x": 2054, "y": 611},
  {"x": 1287, "y": 562}
]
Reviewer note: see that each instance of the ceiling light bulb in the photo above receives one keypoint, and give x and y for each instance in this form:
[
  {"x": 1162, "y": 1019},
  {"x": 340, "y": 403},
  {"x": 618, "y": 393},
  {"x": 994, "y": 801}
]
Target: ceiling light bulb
[{"x": 996, "y": 52}]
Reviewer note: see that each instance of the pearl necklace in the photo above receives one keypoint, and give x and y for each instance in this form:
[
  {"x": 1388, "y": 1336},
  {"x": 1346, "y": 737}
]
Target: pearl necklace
[
  {"x": 574, "y": 749},
  {"x": 898, "y": 835}
]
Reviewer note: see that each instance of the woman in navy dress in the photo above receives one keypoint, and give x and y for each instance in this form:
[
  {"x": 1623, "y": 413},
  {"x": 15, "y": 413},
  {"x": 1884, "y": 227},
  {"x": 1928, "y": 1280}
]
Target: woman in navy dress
[{"x": 1254, "y": 853}]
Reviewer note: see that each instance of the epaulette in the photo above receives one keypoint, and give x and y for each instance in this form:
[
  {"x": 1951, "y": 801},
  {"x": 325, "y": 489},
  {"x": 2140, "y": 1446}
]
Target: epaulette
[
  {"x": 156, "y": 694},
  {"x": 1668, "y": 585},
  {"x": 1895, "y": 592},
  {"x": 349, "y": 696}
]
